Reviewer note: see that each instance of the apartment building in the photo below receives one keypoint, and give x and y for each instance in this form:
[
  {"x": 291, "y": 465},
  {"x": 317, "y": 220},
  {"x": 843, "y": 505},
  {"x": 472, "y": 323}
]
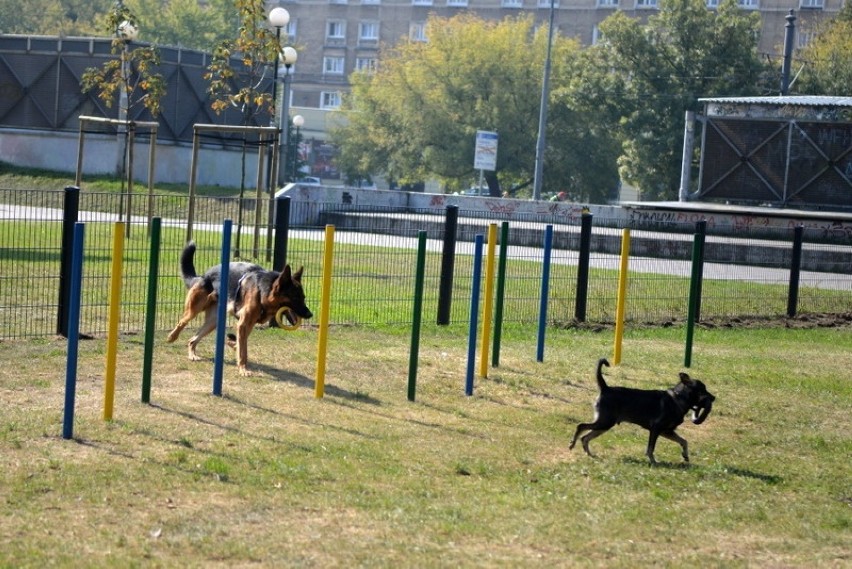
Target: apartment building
[{"x": 336, "y": 37}]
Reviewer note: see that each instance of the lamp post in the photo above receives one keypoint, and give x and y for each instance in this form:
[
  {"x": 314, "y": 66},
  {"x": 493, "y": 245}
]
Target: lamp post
[
  {"x": 126, "y": 32},
  {"x": 288, "y": 58},
  {"x": 298, "y": 122},
  {"x": 540, "y": 145},
  {"x": 278, "y": 18}
]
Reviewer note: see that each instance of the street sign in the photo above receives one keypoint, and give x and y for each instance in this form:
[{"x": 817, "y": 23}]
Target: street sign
[{"x": 485, "y": 154}]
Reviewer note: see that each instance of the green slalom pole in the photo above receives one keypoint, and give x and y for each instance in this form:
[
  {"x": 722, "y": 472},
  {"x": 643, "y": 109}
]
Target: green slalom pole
[
  {"x": 501, "y": 290},
  {"x": 151, "y": 311},
  {"x": 417, "y": 317},
  {"x": 693, "y": 299}
]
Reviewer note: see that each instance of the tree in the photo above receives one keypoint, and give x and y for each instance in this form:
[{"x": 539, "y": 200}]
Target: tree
[
  {"x": 188, "y": 23},
  {"x": 133, "y": 71},
  {"x": 256, "y": 48},
  {"x": 828, "y": 58},
  {"x": 648, "y": 75},
  {"x": 416, "y": 117},
  {"x": 18, "y": 17}
]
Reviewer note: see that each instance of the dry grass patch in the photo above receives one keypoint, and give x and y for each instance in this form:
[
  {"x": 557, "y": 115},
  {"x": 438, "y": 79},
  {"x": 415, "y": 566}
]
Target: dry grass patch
[{"x": 269, "y": 475}]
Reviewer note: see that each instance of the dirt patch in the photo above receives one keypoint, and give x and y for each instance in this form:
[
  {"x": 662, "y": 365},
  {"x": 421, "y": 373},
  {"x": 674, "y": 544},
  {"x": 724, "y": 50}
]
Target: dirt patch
[{"x": 801, "y": 321}]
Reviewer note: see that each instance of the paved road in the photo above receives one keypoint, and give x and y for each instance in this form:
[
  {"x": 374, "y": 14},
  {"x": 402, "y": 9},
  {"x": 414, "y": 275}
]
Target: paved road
[{"x": 832, "y": 281}]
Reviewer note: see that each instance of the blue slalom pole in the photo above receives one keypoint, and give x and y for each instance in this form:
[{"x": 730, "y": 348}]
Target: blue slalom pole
[
  {"x": 73, "y": 329},
  {"x": 545, "y": 288},
  {"x": 474, "y": 314},
  {"x": 222, "y": 309}
]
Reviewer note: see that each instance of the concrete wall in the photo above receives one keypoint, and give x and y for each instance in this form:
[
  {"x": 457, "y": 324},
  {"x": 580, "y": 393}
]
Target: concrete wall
[
  {"x": 58, "y": 152},
  {"x": 724, "y": 219}
]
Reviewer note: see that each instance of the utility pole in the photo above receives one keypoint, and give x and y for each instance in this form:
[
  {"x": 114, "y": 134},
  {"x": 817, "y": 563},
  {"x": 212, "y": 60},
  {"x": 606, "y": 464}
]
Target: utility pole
[{"x": 789, "y": 37}]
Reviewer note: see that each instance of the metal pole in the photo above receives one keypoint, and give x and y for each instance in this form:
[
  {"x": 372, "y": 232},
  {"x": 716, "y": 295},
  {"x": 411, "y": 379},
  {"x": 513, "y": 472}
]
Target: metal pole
[
  {"x": 789, "y": 36},
  {"x": 542, "y": 117},
  {"x": 795, "y": 271},
  {"x": 285, "y": 132}
]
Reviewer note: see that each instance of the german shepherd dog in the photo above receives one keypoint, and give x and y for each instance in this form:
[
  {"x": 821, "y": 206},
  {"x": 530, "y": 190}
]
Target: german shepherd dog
[
  {"x": 660, "y": 412},
  {"x": 254, "y": 296}
]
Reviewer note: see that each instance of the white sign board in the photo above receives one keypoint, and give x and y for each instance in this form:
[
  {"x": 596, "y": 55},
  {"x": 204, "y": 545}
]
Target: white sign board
[{"x": 485, "y": 154}]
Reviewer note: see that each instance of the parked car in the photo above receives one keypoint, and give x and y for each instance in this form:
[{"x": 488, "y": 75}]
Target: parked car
[
  {"x": 309, "y": 181},
  {"x": 483, "y": 191}
]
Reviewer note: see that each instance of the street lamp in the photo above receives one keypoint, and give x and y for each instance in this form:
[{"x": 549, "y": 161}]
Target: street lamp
[
  {"x": 298, "y": 122},
  {"x": 288, "y": 58},
  {"x": 278, "y": 18}
]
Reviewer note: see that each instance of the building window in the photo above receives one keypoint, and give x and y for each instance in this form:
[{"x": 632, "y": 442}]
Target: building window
[
  {"x": 421, "y": 2},
  {"x": 513, "y": 3},
  {"x": 812, "y": 4},
  {"x": 338, "y": 1},
  {"x": 330, "y": 100},
  {"x": 289, "y": 31},
  {"x": 712, "y": 4},
  {"x": 607, "y": 3},
  {"x": 748, "y": 4},
  {"x": 804, "y": 38},
  {"x": 646, "y": 3},
  {"x": 370, "y": 2},
  {"x": 365, "y": 64},
  {"x": 457, "y": 3},
  {"x": 368, "y": 31},
  {"x": 333, "y": 65},
  {"x": 597, "y": 36},
  {"x": 336, "y": 30},
  {"x": 417, "y": 32},
  {"x": 546, "y": 3}
]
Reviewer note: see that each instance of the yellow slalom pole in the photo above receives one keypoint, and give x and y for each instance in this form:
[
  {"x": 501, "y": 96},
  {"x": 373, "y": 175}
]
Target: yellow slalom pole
[
  {"x": 114, "y": 304},
  {"x": 622, "y": 295},
  {"x": 487, "y": 308},
  {"x": 322, "y": 348}
]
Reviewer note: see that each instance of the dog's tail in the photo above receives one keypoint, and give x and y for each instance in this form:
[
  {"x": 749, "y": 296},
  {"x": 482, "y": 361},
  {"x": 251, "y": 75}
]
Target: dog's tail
[
  {"x": 601, "y": 383},
  {"x": 187, "y": 264}
]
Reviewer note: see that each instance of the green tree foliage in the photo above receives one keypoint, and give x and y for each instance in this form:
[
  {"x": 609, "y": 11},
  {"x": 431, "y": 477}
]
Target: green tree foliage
[
  {"x": 52, "y": 17},
  {"x": 648, "y": 75},
  {"x": 187, "y": 23},
  {"x": 255, "y": 47},
  {"x": 139, "y": 79},
  {"x": 828, "y": 58},
  {"x": 416, "y": 117}
]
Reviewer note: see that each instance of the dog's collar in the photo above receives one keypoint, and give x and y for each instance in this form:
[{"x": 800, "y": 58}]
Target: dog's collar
[{"x": 673, "y": 395}]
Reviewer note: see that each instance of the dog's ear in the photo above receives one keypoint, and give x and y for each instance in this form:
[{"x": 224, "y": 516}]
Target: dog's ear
[
  {"x": 297, "y": 276},
  {"x": 286, "y": 274},
  {"x": 685, "y": 379}
]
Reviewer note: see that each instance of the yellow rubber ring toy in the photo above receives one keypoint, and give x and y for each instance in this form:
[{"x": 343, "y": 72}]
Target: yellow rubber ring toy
[{"x": 284, "y": 322}]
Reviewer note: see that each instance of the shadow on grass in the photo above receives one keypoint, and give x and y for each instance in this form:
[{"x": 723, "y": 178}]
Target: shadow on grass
[
  {"x": 729, "y": 470},
  {"x": 745, "y": 473}
]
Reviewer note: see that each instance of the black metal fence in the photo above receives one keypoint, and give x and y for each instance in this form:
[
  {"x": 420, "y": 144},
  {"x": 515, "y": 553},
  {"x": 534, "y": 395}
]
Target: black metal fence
[{"x": 374, "y": 260}]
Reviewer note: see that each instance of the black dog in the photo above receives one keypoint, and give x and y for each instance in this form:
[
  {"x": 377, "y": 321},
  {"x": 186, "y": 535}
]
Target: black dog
[{"x": 661, "y": 412}]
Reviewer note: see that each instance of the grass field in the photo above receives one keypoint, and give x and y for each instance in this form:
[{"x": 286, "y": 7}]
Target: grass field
[{"x": 269, "y": 475}]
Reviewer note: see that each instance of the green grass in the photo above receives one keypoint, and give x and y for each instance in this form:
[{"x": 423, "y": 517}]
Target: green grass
[{"x": 269, "y": 475}]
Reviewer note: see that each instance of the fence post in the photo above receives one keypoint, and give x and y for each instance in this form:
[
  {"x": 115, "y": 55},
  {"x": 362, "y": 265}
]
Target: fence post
[
  {"x": 448, "y": 261},
  {"x": 701, "y": 234},
  {"x": 501, "y": 292},
  {"x": 795, "y": 271},
  {"x": 282, "y": 231},
  {"x": 70, "y": 210},
  {"x": 583, "y": 267}
]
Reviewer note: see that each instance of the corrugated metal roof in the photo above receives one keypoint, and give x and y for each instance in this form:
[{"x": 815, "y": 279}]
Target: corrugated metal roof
[{"x": 801, "y": 100}]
